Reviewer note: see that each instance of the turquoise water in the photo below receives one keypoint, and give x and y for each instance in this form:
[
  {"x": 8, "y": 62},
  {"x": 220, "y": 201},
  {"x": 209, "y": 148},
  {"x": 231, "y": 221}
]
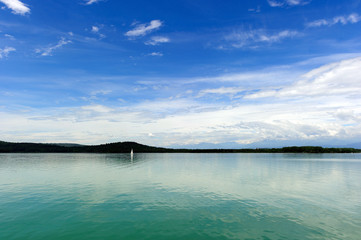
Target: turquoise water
[{"x": 180, "y": 196}]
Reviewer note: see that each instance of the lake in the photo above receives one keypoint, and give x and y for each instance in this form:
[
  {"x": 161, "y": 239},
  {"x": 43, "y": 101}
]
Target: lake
[{"x": 180, "y": 196}]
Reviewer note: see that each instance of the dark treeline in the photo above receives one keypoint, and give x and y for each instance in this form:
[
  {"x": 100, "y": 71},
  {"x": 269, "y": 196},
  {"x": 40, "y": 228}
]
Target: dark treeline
[
  {"x": 120, "y": 147},
  {"x": 125, "y": 147}
]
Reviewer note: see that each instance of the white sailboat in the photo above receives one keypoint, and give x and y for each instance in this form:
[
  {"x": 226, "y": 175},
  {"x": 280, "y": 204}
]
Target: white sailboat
[{"x": 131, "y": 153}]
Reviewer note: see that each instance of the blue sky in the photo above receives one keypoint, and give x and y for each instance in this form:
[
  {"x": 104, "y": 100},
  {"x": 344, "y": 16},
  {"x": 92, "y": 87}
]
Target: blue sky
[{"x": 173, "y": 73}]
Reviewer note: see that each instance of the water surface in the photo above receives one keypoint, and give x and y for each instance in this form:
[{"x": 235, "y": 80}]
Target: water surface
[{"x": 180, "y": 196}]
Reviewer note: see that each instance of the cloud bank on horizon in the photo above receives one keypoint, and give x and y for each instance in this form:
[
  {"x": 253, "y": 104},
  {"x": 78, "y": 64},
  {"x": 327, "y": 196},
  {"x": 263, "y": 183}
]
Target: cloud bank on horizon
[{"x": 176, "y": 74}]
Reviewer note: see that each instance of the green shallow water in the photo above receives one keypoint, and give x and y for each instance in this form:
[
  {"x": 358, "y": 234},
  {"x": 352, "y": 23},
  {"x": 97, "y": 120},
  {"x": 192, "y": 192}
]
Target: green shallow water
[{"x": 180, "y": 196}]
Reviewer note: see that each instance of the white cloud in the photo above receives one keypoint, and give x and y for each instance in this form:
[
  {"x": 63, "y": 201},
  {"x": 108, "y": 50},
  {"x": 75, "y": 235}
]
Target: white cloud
[
  {"x": 275, "y": 4},
  {"x": 100, "y": 92},
  {"x": 143, "y": 29},
  {"x": 337, "y": 79},
  {"x": 265, "y": 78},
  {"x": 221, "y": 91},
  {"x": 282, "y": 3},
  {"x": 95, "y": 29},
  {"x": 16, "y": 6},
  {"x": 240, "y": 39},
  {"x": 322, "y": 104},
  {"x": 297, "y": 2},
  {"x": 318, "y": 23},
  {"x": 352, "y": 18},
  {"x": 11, "y": 37},
  {"x": 278, "y": 36},
  {"x": 157, "y": 40},
  {"x": 90, "y": 2},
  {"x": 256, "y": 10},
  {"x": 48, "y": 51},
  {"x": 97, "y": 108},
  {"x": 158, "y": 54},
  {"x": 95, "y": 95},
  {"x": 5, "y": 51}
]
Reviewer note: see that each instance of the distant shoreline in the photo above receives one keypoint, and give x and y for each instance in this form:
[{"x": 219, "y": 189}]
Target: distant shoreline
[{"x": 126, "y": 147}]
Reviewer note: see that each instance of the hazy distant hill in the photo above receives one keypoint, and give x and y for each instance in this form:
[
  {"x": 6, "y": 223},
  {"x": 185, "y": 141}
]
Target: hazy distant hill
[
  {"x": 354, "y": 145},
  {"x": 270, "y": 144}
]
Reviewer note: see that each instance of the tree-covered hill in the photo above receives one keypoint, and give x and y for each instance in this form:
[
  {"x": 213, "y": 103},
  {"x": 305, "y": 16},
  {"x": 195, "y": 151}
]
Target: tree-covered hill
[
  {"x": 7, "y": 147},
  {"x": 125, "y": 147},
  {"x": 119, "y": 147}
]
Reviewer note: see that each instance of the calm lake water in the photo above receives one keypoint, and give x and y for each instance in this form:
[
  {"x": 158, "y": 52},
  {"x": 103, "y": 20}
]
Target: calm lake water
[{"x": 180, "y": 196}]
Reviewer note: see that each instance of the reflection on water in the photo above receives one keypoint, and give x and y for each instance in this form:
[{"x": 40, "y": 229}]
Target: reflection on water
[{"x": 180, "y": 196}]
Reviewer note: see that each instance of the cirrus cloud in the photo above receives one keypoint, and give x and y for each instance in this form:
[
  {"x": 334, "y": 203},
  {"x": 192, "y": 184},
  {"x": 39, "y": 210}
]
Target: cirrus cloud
[
  {"x": 242, "y": 39},
  {"x": 352, "y": 18},
  {"x": 5, "y": 51},
  {"x": 282, "y": 3},
  {"x": 48, "y": 51}
]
